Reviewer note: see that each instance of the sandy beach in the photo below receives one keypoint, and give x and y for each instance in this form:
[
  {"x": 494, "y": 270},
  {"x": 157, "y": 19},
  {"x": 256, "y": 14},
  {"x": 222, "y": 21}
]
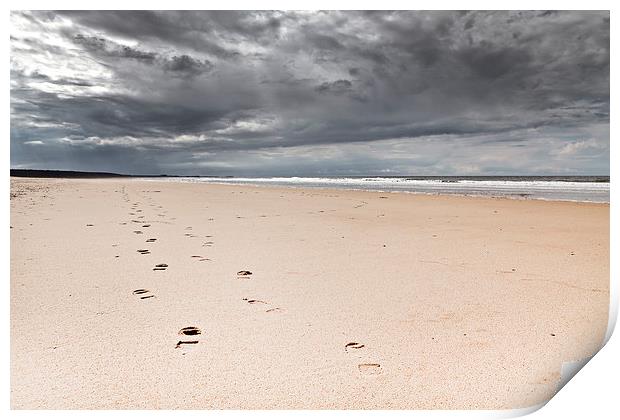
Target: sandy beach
[{"x": 355, "y": 299}]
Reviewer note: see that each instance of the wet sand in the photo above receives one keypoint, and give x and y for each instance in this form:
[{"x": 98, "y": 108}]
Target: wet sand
[{"x": 131, "y": 294}]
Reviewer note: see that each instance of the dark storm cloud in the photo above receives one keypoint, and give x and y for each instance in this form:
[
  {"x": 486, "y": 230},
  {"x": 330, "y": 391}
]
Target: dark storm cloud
[
  {"x": 188, "y": 65},
  {"x": 337, "y": 86},
  {"x": 97, "y": 45},
  {"x": 228, "y": 92},
  {"x": 102, "y": 48},
  {"x": 199, "y": 31}
]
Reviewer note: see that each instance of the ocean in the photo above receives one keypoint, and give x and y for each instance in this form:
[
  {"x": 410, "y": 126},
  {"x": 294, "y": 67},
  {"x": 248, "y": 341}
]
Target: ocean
[{"x": 555, "y": 188}]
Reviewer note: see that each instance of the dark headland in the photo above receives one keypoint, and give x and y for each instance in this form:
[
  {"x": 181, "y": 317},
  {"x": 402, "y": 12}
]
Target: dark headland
[{"x": 43, "y": 173}]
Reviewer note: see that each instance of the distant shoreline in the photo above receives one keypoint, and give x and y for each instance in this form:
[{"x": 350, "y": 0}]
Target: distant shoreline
[{"x": 52, "y": 173}]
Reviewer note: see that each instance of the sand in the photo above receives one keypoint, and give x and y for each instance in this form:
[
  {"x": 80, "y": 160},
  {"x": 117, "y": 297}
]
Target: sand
[{"x": 451, "y": 302}]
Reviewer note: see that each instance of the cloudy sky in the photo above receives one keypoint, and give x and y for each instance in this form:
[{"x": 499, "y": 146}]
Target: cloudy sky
[{"x": 311, "y": 93}]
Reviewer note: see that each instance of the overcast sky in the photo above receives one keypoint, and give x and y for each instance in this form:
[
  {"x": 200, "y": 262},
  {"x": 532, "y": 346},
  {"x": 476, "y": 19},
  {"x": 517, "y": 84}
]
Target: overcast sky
[{"x": 314, "y": 93}]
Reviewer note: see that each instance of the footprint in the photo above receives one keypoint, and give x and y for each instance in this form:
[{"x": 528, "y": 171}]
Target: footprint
[
  {"x": 190, "y": 331},
  {"x": 370, "y": 368},
  {"x": 151, "y": 240},
  {"x": 143, "y": 251},
  {"x": 140, "y": 291},
  {"x": 139, "y": 232},
  {"x": 89, "y": 224},
  {"x": 352, "y": 345},
  {"x": 146, "y": 225},
  {"x": 254, "y": 301},
  {"x": 244, "y": 274},
  {"x": 196, "y": 256},
  {"x": 275, "y": 310},
  {"x": 144, "y": 292},
  {"x": 183, "y": 342},
  {"x": 160, "y": 267}
]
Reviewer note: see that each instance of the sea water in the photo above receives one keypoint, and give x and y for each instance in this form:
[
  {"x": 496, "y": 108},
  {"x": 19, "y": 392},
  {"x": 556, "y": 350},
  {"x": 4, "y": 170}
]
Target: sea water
[{"x": 557, "y": 188}]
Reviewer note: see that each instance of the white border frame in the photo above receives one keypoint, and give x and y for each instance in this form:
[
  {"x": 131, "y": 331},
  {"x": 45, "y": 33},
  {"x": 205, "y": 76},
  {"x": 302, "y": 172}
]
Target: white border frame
[{"x": 590, "y": 394}]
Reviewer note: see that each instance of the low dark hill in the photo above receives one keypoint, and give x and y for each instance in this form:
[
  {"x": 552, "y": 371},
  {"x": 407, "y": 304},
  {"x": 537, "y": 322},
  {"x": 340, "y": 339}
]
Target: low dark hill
[{"x": 41, "y": 173}]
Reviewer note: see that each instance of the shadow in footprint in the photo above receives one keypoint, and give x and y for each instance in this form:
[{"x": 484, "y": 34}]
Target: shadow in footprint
[
  {"x": 370, "y": 368},
  {"x": 275, "y": 310},
  {"x": 353, "y": 345},
  {"x": 160, "y": 267},
  {"x": 244, "y": 274},
  {"x": 254, "y": 301},
  {"x": 141, "y": 292},
  {"x": 183, "y": 342},
  {"x": 190, "y": 331}
]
